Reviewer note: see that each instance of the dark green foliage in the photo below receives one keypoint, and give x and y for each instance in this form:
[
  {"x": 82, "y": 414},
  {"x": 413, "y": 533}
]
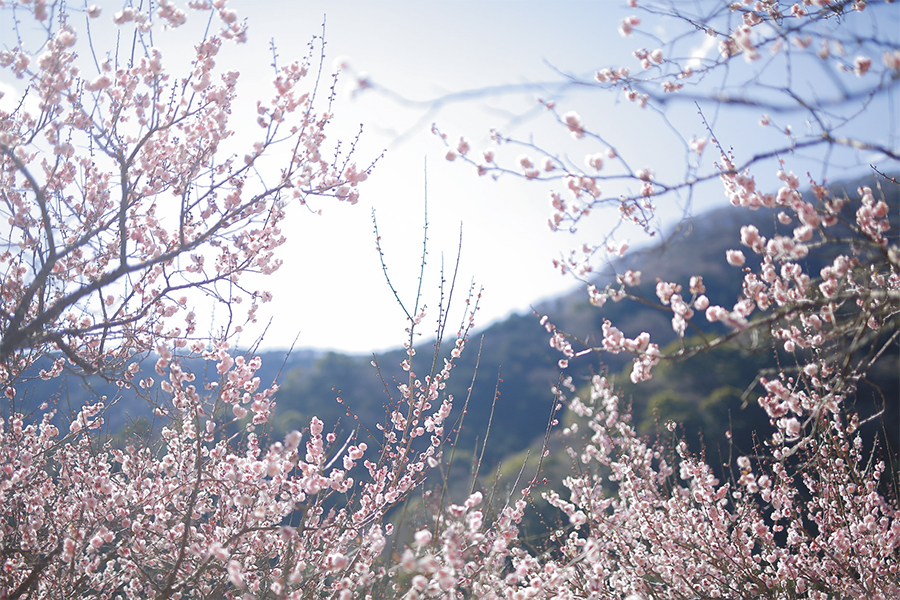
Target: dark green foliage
[{"x": 703, "y": 396}]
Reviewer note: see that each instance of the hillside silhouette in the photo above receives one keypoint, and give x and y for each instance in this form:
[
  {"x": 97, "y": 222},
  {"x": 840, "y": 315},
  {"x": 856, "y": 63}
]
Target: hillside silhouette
[{"x": 705, "y": 395}]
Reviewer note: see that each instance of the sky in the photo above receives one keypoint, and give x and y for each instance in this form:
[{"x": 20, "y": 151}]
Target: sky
[
  {"x": 331, "y": 292},
  {"x": 421, "y": 51}
]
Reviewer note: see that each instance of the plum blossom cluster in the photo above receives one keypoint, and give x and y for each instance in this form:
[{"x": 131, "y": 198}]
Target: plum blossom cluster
[
  {"x": 583, "y": 192},
  {"x": 650, "y": 523},
  {"x": 103, "y": 245},
  {"x": 643, "y": 521},
  {"x": 121, "y": 199},
  {"x": 803, "y": 518},
  {"x": 558, "y": 342},
  {"x": 121, "y": 181},
  {"x": 212, "y": 509},
  {"x": 469, "y": 556},
  {"x": 820, "y": 319},
  {"x": 197, "y": 514},
  {"x": 816, "y": 317}
]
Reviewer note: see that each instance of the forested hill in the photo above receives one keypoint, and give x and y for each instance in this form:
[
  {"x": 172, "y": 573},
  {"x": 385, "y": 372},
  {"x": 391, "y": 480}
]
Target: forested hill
[{"x": 701, "y": 394}]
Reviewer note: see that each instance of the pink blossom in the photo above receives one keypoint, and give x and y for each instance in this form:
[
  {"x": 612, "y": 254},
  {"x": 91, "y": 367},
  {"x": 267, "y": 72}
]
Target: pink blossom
[
  {"x": 336, "y": 561},
  {"x": 423, "y": 537},
  {"x": 698, "y": 144},
  {"x": 627, "y": 25},
  {"x": 665, "y": 290},
  {"x": 316, "y": 426},
  {"x": 123, "y": 16},
  {"x": 891, "y": 60},
  {"x": 235, "y": 573},
  {"x": 594, "y": 161},
  {"x": 573, "y": 122},
  {"x": 597, "y": 298},
  {"x": 632, "y": 278},
  {"x": 696, "y": 285},
  {"x": 716, "y": 313},
  {"x": 735, "y": 258}
]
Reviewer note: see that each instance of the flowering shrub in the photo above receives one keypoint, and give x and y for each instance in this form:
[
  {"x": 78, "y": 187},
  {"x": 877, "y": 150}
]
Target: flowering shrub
[{"x": 120, "y": 203}]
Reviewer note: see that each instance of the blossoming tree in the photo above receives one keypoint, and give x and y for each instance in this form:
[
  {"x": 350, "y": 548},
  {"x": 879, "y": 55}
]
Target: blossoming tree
[
  {"x": 119, "y": 198},
  {"x": 124, "y": 205},
  {"x": 804, "y": 514}
]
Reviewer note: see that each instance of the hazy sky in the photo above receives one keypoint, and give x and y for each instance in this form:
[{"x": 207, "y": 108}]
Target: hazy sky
[
  {"x": 421, "y": 51},
  {"x": 331, "y": 290}
]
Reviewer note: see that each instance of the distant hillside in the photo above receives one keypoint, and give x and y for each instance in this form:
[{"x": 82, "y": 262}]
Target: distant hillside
[
  {"x": 700, "y": 394},
  {"x": 71, "y": 391}
]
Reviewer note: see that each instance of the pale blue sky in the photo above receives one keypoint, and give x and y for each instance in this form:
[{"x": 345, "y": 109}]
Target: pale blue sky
[{"x": 421, "y": 50}]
